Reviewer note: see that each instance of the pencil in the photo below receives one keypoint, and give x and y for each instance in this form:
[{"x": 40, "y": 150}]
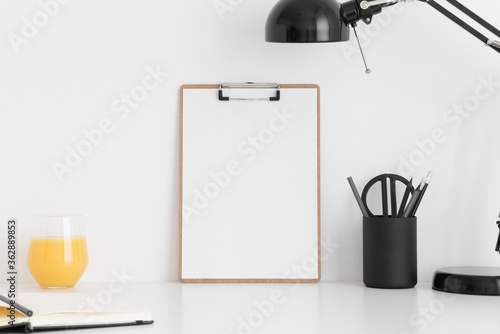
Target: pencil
[
  {"x": 358, "y": 198},
  {"x": 405, "y": 198},
  {"x": 394, "y": 204},
  {"x": 497, "y": 248},
  {"x": 385, "y": 210},
  {"x": 20, "y": 308}
]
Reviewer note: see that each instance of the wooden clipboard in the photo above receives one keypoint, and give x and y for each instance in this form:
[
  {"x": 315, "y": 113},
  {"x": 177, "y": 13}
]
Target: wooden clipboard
[{"x": 249, "y": 195}]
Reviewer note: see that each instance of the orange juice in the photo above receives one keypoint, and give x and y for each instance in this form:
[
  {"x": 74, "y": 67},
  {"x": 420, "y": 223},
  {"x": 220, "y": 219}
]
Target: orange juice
[{"x": 57, "y": 261}]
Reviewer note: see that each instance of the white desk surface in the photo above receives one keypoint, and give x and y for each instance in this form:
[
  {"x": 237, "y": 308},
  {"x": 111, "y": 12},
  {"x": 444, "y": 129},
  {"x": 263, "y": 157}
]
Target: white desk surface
[{"x": 328, "y": 307}]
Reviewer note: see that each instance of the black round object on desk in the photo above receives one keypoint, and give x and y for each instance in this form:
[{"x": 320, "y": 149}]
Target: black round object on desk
[{"x": 468, "y": 280}]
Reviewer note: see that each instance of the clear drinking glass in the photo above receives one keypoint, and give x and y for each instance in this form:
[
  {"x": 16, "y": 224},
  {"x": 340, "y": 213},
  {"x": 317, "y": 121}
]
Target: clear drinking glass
[{"x": 57, "y": 255}]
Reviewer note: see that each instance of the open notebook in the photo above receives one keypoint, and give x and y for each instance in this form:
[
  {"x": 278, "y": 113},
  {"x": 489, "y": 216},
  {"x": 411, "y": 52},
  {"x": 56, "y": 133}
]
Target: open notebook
[{"x": 67, "y": 311}]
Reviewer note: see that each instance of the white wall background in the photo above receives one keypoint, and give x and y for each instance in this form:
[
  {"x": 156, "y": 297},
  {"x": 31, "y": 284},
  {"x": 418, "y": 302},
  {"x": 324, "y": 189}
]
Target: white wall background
[{"x": 64, "y": 78}]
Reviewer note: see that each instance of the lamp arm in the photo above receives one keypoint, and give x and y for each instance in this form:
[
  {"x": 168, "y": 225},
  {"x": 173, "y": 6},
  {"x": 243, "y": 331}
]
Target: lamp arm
[
  {"x": 495, "y": 45},
  {"x": 475, "y": 17},
  {"x": 370, "y": 7},
  {"x": 353, "y": 11},
  {"x": 383, "y": 3}
]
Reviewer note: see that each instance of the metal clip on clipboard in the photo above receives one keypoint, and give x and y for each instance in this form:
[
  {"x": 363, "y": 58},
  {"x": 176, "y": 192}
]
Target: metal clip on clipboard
[{"x": 247, "y": 85}]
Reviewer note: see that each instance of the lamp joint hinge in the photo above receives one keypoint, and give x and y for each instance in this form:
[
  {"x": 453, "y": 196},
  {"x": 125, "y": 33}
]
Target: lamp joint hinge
[{"x": 493, "y": 43}]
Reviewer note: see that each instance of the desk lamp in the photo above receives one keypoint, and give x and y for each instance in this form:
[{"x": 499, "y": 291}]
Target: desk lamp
[{"x": 320, "y": 21}]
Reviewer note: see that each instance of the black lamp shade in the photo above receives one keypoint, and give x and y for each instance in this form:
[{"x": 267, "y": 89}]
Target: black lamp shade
[{"x": 306, "y": 21}]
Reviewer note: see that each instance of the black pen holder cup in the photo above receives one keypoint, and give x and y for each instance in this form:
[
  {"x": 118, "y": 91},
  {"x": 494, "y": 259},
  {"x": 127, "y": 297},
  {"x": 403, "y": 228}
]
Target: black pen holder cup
[{"x": 390, "y": 252}]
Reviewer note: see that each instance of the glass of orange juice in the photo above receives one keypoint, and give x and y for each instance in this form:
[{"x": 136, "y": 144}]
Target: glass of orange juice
[{"x": 57, "y": 255}]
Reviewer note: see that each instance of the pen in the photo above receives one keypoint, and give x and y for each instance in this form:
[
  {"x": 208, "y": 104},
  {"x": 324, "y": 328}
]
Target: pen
[
  {"x": 358, "y": 198},
  {"x": 414, "y": 199},
  {"x": 421, "y": 195}
]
